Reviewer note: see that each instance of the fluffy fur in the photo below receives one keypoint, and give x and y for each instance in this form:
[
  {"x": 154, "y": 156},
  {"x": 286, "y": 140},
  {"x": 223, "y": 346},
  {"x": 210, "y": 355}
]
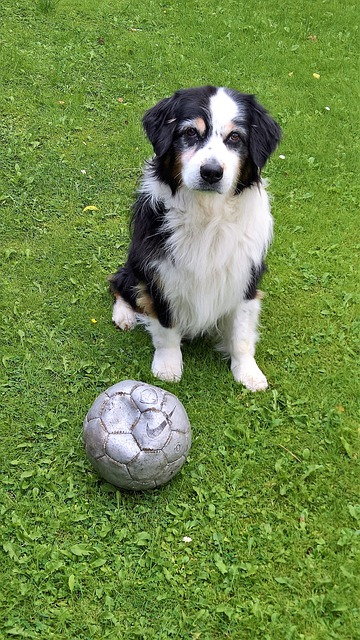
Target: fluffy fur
[{"x": 201, "y": 228}]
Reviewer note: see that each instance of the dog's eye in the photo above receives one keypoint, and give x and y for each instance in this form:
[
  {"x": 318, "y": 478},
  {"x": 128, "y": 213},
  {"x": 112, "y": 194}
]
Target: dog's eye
[
  {"x": 191, "y": 132},
  {"x": 234, "y": 137}
]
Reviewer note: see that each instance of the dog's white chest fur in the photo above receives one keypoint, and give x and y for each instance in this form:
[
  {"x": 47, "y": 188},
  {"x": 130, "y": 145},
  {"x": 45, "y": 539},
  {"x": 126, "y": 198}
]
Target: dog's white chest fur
[{"x": 214, "y": 242}]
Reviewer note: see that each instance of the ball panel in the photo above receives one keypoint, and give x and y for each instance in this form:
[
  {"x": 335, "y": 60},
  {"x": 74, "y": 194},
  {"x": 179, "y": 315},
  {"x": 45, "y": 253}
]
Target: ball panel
[
  {"x": 94, "y": 436},
  {"x": 121, "y": 447},
  {"x": 96, "y": 409},
  {"x": 148, "y": 465},
  {"x": 142, "y": 486},
  {"x": 146, "y": 396},
  {"x": 173, "y": 408},
  {"x": 119, "y": 414},
  {"x": 170, "y": 471},
  {"x": 152, "y": 431},
  {"x": 177, "y": 446},
  {"x": 113, "y": 472}
]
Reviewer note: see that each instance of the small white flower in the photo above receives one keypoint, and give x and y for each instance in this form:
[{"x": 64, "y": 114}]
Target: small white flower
[
  {"x": 187, "y": 539},
  {"x": 282, "y": 157},
  {"x": 327, "y": 108},
  {"x": 83, "y": 172}
]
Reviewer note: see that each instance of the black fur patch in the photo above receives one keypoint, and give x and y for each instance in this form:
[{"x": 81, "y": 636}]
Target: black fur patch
[
  {"x": 148, "y": 243},
  {"x": 255, "y": 277},
  {"x": 162, "y": 121}
]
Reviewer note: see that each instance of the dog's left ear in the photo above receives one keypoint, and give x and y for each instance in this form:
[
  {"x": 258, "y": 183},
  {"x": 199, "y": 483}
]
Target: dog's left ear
[
  {"x": 160, "y": 123},
  {"x": 265, "y": 134}
]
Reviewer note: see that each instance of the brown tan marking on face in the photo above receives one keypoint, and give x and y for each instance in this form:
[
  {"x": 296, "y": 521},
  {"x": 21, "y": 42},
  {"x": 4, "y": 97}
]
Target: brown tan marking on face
[
  {"x": 200, "y": 126},
  {"x": 228, "y": 128},
  {"x": 178, "y": 164}
]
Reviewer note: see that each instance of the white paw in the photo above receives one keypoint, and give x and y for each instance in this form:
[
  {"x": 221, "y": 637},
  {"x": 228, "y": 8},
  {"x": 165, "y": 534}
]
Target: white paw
[
  {"x": 167, "y": 364},
  {"x": 123, "y": 315},
  {"x": 250, "y": 375}
]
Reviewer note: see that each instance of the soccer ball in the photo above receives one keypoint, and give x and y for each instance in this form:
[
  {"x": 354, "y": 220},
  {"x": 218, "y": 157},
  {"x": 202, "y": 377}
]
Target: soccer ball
[{"x": 137, "y": 436}]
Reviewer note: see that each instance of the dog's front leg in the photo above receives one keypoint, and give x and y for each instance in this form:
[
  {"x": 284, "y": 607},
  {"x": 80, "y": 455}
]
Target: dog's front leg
[
  {"x": 240, "y": 340},
  {"x": 167, "y": 360}
]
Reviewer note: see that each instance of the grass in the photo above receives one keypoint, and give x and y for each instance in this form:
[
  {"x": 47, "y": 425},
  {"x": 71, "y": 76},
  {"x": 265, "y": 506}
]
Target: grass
[{"x": 269, "y": 496}]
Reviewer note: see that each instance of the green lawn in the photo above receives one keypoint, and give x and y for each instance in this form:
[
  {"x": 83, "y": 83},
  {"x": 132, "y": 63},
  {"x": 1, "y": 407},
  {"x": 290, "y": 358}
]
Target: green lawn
[{"x": 270, "y": 494}]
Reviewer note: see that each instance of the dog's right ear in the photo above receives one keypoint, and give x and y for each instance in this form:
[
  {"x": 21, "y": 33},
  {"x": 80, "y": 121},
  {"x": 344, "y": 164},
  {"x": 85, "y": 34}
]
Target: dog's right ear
[{"x": 160, "y": 123}]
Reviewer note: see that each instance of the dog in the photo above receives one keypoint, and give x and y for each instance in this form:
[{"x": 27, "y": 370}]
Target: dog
[{"x": 201, "y": 228}]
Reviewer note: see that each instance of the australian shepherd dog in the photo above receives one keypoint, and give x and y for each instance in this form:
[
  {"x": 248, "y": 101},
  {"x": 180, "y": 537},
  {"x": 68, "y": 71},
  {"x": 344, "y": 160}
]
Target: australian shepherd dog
[{"x": 201, "y": 229}]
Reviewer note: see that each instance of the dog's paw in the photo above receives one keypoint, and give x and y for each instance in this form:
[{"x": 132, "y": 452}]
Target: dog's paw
[
  {"x": 123, "y": 315},
  {"x": 250, "y": 376},
  {"x": 167, "y": 364}
]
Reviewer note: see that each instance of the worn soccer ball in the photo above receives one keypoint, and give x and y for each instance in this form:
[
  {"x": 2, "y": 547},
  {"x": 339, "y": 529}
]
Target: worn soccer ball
[{"x": 137, "y": 436}]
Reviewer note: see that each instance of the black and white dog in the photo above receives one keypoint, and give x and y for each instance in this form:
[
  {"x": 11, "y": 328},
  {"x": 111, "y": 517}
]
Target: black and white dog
[{"x": 201, "y": 229}]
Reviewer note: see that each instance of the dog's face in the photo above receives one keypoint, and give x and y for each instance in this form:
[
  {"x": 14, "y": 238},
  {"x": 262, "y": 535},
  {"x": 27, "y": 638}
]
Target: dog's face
[{"x": 210, "y": 139}]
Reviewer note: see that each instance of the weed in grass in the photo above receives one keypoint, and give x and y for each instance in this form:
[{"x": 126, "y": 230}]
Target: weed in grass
[{"x": 47, "y": 6}]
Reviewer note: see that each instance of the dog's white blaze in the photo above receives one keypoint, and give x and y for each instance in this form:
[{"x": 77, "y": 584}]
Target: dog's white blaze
[{"x": 223, "y": 110}]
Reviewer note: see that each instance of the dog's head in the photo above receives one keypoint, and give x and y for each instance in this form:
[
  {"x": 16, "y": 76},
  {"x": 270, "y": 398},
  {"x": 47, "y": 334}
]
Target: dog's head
[{"x": 211, "y": 139}]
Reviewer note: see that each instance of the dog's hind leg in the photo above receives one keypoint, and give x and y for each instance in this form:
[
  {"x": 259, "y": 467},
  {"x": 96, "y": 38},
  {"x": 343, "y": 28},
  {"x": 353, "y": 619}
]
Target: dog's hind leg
[
  {"x": 123, "y": 314},
  {"x": 122, "y": 285}
]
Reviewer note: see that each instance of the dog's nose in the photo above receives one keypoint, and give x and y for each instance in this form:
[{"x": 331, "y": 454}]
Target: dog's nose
[{"x": 211, "y": 172}]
